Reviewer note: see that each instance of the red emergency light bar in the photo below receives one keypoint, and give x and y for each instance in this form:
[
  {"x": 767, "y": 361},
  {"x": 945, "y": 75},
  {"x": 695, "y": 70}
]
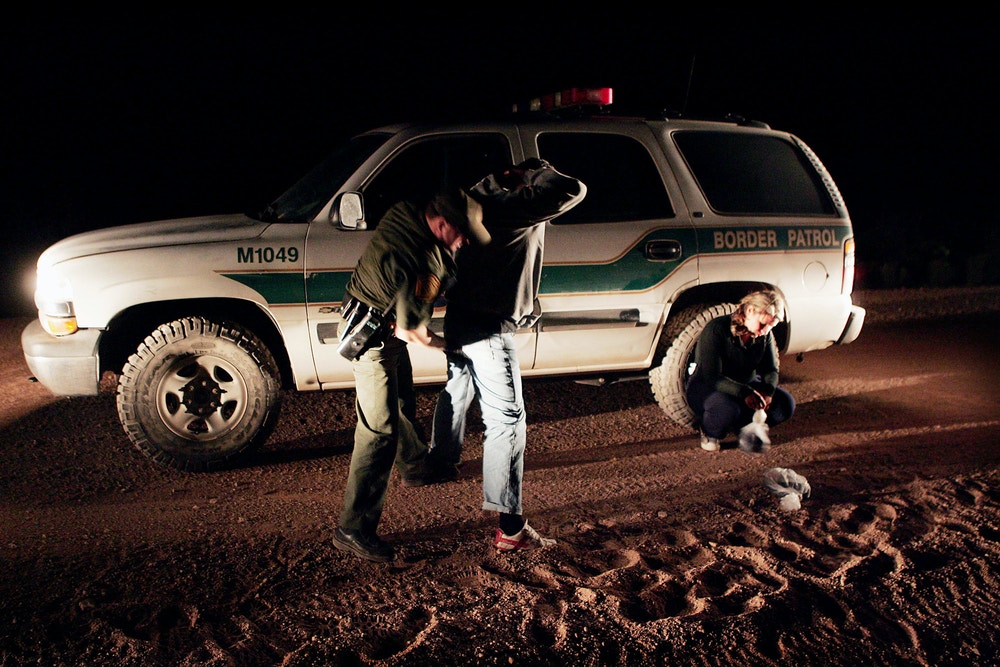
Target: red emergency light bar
[{"x": 563, "y": 99}]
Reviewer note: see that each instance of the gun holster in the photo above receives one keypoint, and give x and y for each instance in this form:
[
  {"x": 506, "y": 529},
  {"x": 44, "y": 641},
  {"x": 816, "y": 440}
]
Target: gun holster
[{"x": 364, "y": 328}]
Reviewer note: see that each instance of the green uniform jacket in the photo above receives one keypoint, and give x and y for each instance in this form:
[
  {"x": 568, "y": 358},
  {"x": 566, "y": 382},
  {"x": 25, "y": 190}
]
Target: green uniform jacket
[{"x": 403, "y": 263}]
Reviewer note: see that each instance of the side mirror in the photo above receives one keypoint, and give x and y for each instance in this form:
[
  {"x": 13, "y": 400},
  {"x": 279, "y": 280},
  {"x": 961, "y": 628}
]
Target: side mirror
[{"x": 351, "y": 212}]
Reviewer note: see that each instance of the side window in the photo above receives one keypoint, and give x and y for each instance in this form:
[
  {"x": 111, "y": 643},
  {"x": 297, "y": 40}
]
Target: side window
[
  {"x": 622, "y": 180},
  {"x": 423, "y": 167},
  {"x": 742, "y": 173}
]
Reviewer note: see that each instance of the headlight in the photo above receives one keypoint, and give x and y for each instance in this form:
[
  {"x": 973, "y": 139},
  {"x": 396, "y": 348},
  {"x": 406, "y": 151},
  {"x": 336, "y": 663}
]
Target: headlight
[{"x": 54, "y": 300}]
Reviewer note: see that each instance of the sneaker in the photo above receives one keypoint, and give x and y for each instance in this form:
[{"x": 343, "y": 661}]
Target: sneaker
[
  {"x": 709, "y": 444},
  {"x": 526, "y": 538},
  {"x": 367, "y": 547}
]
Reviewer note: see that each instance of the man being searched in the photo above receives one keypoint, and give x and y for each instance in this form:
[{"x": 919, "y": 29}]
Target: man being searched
[
  {"x": 389, "y": 303},
  {"x": 495, "y": 294},
  {"x": 736, "y": 370}
]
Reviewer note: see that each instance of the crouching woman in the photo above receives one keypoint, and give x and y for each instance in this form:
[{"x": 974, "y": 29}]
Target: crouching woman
[{"x": 736, "y": 370}]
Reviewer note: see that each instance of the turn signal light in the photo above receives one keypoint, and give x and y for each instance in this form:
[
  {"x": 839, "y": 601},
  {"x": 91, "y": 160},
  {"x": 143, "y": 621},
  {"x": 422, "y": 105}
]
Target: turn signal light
[{"x": 58, "y": 326}]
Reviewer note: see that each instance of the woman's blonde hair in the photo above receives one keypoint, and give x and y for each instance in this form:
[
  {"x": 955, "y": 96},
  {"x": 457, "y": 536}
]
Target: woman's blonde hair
[{"x": 763, "y": 301}]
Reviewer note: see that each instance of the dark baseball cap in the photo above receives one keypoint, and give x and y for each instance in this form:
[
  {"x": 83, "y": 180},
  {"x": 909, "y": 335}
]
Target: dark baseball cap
[{"x": 463, "y": 213}]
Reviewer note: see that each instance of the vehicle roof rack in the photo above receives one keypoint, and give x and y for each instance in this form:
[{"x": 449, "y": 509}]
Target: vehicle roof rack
[
  {"x": 738, "y": 119},
  {"x": 744, "y": 121}
]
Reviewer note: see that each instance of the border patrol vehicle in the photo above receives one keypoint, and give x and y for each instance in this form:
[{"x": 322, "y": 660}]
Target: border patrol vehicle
[{"x": 207, "y": 321}]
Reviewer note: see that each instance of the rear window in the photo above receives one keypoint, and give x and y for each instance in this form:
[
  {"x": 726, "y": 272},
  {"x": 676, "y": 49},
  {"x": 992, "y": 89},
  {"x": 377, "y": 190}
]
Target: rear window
[{"x": 742, "y": 173}]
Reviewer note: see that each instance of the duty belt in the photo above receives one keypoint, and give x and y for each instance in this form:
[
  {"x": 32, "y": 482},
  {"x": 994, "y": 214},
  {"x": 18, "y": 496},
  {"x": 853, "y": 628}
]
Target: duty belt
[{"x": 365, "y": 327}]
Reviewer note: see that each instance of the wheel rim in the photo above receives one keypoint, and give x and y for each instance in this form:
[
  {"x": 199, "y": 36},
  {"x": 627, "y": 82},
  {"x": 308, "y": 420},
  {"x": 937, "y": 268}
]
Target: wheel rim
[{"x": 201, "y": 398}]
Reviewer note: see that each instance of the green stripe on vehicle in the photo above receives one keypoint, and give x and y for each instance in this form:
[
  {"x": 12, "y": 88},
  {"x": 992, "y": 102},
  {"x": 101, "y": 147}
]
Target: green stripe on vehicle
[
  {"x": 633, "y": 272},
  {"x": 327, "y": 286},
  {"x": 630, "y": 272},
  {"x": 290, "y": 289}
]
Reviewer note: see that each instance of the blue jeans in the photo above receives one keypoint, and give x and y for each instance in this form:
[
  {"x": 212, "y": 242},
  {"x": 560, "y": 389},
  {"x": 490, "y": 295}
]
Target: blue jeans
[
  {"x": 488, "y": 370},
  {"x": 720, "y": 413}
]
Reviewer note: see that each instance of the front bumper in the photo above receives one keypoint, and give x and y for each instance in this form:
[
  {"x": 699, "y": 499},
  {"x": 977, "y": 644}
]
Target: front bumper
[{"x": 66, "y": 366}]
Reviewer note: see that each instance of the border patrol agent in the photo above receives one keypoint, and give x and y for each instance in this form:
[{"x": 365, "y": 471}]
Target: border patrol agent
[{"x": 401, "y": 273}]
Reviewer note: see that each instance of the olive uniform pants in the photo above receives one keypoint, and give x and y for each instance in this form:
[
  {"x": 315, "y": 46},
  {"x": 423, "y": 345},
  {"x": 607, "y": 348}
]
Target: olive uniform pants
[{"x": 385, "y": 433}]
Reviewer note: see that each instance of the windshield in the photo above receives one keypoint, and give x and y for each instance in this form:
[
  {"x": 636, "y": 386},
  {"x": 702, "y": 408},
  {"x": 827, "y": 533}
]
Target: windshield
[{"x": 304, "y": 200}]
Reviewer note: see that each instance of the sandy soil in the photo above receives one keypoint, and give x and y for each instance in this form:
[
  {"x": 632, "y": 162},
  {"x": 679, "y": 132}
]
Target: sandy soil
[{"x": 666, "y": 554}]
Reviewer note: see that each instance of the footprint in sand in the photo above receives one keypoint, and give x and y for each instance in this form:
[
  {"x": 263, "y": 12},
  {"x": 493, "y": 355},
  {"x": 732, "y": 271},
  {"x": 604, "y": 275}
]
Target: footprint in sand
[
  {"x": 399, "y": 638},
  {"x": 548, "y": 625},
  {"x": 746, "y": 535},
  {"x": 681, "y": 577},
  {"x": 536, "y": 576},
  {"x": 670, "y": 599}
]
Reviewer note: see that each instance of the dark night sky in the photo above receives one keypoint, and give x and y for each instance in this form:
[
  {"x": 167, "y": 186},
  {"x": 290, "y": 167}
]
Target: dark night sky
[{"x": 113, "y": 121}]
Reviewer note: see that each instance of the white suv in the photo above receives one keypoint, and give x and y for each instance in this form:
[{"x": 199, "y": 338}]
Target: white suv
[{"x": 206, "y": 320}]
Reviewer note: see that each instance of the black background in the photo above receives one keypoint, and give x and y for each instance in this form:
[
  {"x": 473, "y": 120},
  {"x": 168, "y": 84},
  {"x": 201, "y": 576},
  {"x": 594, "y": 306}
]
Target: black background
[{"x": 119, "y": 119}]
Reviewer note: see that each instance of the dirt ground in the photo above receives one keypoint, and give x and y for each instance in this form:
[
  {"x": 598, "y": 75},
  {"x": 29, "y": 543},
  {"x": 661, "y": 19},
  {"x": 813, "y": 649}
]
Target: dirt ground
[{"x": 666, "y": 554}]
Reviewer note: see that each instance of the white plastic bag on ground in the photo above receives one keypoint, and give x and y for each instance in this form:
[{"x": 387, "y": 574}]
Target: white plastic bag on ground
[
  {"x": 754, "y": 437},
  {"x": 789, "y": 486}
]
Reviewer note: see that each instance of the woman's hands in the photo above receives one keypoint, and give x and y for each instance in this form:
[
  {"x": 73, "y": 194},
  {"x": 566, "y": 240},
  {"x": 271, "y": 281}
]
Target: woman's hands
[{"x": 757, "y": 401}]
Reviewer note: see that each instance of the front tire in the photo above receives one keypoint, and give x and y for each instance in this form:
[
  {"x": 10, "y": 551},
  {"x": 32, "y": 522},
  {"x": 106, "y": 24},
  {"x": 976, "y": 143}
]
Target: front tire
[
  {"x": 669, "y": 379},
  {"x": 197, "y": 394}
]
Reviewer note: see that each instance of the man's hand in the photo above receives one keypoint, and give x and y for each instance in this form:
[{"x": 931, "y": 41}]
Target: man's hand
[{"x": 421, "y": 335}]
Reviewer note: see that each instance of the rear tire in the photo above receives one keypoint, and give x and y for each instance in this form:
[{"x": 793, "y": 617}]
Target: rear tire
[
  {"x": 197, "y": 394},
  {"x": 669, "y": 379}
]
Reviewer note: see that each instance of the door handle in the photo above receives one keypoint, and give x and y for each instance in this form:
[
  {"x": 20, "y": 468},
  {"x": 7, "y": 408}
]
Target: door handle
[{"x": 662, "y": 250}]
